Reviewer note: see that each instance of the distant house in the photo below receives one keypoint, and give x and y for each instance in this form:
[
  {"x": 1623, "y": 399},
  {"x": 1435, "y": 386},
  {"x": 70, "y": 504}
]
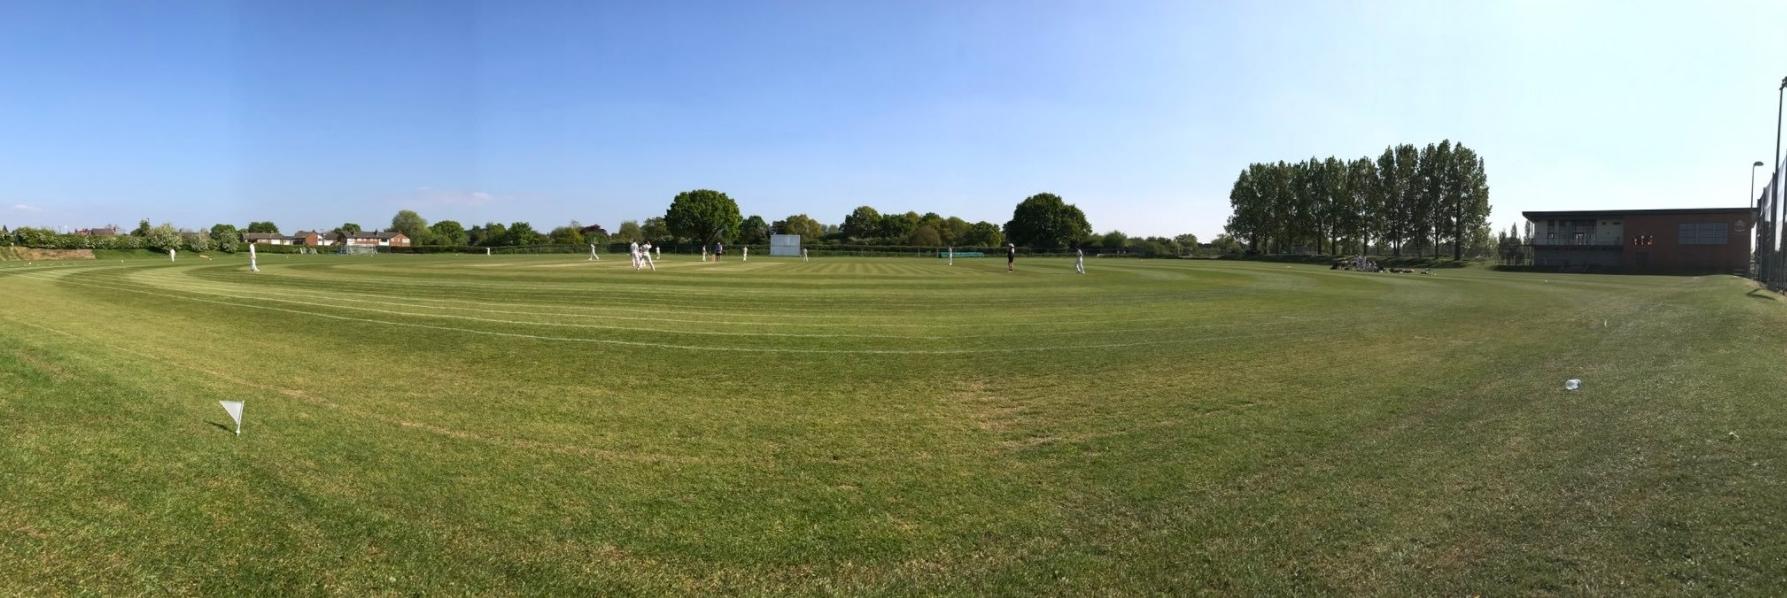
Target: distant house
[
  {"x": 268, "y": 239},
  {"x": 109, "y": 231},
  {"x": 1682, "y": 240},
  {"x": 310, "y": 238},
  {"x": 372, "y": 239}
]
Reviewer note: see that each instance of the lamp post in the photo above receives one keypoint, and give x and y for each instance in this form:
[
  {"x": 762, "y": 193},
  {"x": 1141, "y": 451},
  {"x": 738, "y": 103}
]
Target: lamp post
[{"x": 1753, "y": 167}]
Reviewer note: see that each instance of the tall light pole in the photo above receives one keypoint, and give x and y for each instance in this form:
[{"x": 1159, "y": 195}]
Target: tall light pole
[{"x": 1755, "y": 212}]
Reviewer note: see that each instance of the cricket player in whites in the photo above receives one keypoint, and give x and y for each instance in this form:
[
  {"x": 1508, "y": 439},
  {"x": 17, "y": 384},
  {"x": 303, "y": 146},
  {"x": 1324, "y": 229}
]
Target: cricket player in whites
[
  {"x": 952, "y": 256},
  {"x": 170, "y": 254},
  {"x": 803, "y": 255},
  {"x": 592, "y": 253},
  {"x": 745, "y": 256},
  {"x": 645, "y": 255},
  {"x": 1079, "y": 260},
  {"x": 252, "y": 266},
  {"x": 633, "y": 248}
]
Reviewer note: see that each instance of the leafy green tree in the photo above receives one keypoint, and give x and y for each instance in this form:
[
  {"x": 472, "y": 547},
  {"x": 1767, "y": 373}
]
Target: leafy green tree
[
  {"x": 142, "y": 229},
  {"x": 924, "y": 236},
  {"x": 1225, "y": 245},
  {"x": 349, "y": 228},
  {"x": 449, "y": 233},
  {"x": 566, "y": 235},
  {"x": 628, "y": 232},
  {"x": 954, "y": 230},
  {"x": 753, "y": 230},
  {"x": 494, "y": 234},
  {"x": 895, "y": 227},
  {"x": 704, "y": 216},
  {"x": 263, "y": 227},
  {"x": 1188, "y": 243},
  {"x": 800, "y": 224},
  {"x": 521, "y": 234},
  {"x": 225, "y": 237},
  {"x": 1114, "y": 240},
  {"x": 1044, "y": 221},
  {"x": 196, "y": 242},
  {"x": 656, "y": 230},
  {"x": 983, "y": 234},
  {"x": 1366, "y": 221},
  {"x": 862, "y": 223},
  {"x": 163, "y": 237},
  {"x": 411, "y": 224}
]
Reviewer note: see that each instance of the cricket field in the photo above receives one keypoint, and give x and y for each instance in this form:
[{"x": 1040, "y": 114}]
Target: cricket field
[{"x": 463, "y": 424}]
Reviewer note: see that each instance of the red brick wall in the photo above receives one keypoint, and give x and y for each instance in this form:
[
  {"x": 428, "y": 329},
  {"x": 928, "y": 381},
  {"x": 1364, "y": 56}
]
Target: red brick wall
[{"x": 1667, "y": 254}]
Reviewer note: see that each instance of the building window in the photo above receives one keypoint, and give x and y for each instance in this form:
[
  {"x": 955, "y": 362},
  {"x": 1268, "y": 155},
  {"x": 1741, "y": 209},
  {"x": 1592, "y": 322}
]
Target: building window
[{"x": 1701, "y": 233}]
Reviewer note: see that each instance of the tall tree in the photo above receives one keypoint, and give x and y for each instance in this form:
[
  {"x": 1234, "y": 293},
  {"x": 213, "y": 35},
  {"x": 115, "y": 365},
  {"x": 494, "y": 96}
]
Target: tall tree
[
  {"x": 895, "y": 227},
  {"x": 983, "y": 234},
  {"x": 261, "y": 227},
  {"x": 449, "y": 233},
  {"x": 753, "y": 230},
  {"x": 411, "y": 224},
  {"x": 1247, "y": 209},
  {"x": 655, "y": 230},
  {"x": 522, "y": 234},
  {"x": 862, "y": 223},
  {"x": 800, "y": 224},
  {"x": 566, "y": 235},
  {"x": 1045, "y": 221},
  {"x": 225, "y": 237},
  {"x": 1367, "y": 203},
  {"x": 629, "y": 232},
  {"x": 704, "y": 216}
]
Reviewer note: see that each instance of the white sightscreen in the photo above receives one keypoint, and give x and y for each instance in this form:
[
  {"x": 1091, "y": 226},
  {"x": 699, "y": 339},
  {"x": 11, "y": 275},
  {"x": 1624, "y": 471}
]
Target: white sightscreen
[{"x": 787, "y": 245}]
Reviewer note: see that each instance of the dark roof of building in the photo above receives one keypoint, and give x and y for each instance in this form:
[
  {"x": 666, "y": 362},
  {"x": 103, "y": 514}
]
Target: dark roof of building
[
  {"x": 257, "y": 236},
  {"x": 1599, "y": 213},
  {"x": 372, "y": 234}
]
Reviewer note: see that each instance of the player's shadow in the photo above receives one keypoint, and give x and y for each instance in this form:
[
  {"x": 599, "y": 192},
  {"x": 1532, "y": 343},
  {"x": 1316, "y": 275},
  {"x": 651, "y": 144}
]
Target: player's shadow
[
  {"x": 1761, "y": 294},
  {"x": 221, "y": 426}
]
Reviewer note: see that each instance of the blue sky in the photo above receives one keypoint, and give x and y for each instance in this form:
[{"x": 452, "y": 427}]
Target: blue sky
[{"x": 315, "y": 113}]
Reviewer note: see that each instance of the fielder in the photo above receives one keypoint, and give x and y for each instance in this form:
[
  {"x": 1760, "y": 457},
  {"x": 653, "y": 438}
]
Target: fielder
[
  {"x": 746, "y": 255},
  {"x": 633, "y": 248},
  {"x": 592, "y": 253},
  {"x": 170, "y": 254},
  {"x": 1079, "y": 260},
  {"x": 1011, "y": 257},
  {"x": 645, "y": 255},
  {"x": 803, "y": 255},
  {"x": 252, "y": 266},
  {"x": 952, "y": 256}
]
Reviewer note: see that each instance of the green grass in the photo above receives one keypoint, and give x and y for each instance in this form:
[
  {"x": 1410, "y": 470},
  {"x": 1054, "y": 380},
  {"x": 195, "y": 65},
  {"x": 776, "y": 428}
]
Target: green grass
[{"x": 543, "y": 424}]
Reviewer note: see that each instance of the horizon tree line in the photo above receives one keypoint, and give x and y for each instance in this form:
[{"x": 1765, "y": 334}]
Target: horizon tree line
[
  {"x": 1043, "y": 221},
  {"x": 1409, "y": 198}
]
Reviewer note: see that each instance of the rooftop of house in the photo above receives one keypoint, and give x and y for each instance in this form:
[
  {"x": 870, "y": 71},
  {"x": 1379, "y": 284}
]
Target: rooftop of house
[{"x": 1612, "y": 213}]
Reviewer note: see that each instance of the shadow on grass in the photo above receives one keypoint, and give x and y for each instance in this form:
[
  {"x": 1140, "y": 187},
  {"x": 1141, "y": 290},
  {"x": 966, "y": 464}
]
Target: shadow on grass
[
  {"x": 222, "y": 427},
  {"x": 1758, "y": 293}
]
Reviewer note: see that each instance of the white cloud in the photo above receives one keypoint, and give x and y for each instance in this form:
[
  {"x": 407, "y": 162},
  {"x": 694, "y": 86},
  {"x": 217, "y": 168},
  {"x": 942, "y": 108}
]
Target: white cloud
[{"x": 26, "y": 208}]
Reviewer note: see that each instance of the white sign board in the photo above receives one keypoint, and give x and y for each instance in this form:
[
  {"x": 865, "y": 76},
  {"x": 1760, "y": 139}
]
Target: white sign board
[{"x": 784, "y": 245}]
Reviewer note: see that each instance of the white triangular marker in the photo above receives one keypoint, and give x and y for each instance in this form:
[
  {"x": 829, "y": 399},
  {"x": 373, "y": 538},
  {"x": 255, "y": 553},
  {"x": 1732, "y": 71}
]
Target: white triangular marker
[{"x": 235, "y": 410}]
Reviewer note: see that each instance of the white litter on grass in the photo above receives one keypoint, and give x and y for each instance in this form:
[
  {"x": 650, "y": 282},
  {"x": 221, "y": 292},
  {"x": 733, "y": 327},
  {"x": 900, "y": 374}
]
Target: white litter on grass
[
  {"x": 234, "y": 408},
  {"x": 1572, "y": 384}
]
